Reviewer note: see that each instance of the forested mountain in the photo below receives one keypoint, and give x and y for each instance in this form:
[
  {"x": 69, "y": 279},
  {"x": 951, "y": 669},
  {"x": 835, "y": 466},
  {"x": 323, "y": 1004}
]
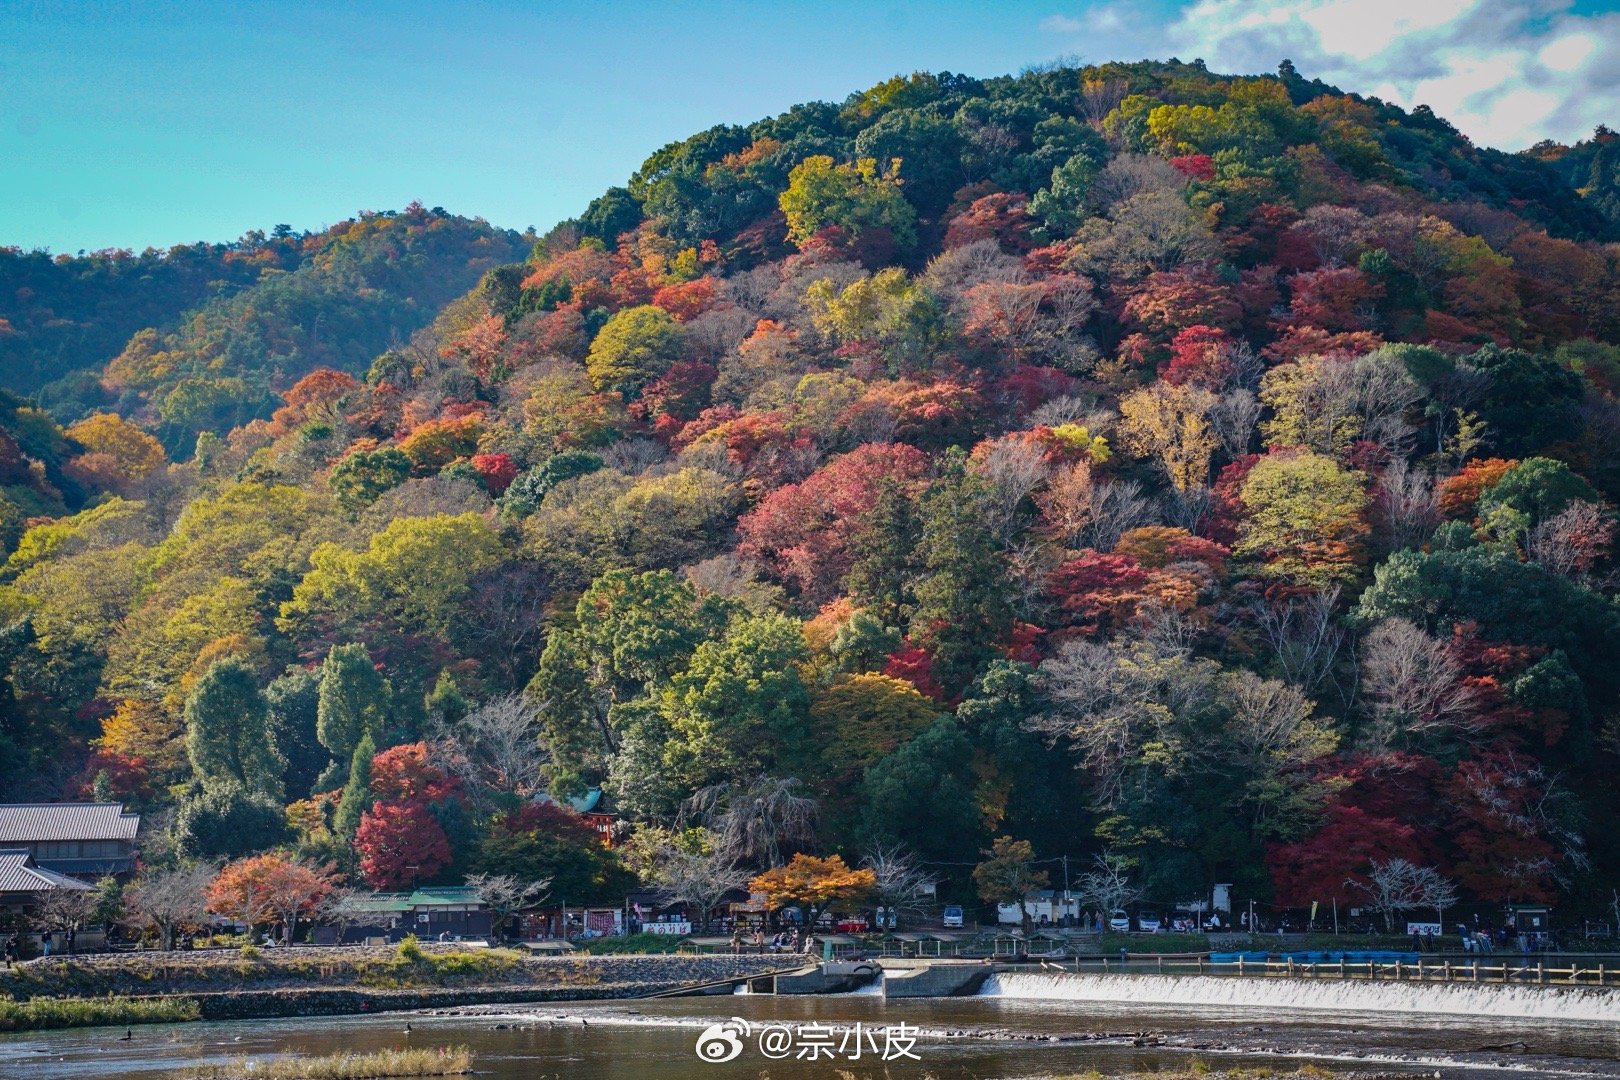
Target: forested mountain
[
  {"x": 1591, "y": 166},
  {"x": 1216, "y": 472},
  {"x": 203, "y": 336}
]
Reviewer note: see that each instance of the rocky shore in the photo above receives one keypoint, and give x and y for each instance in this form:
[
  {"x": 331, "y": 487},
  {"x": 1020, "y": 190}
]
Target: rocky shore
[{"x": 335, "y": 981}]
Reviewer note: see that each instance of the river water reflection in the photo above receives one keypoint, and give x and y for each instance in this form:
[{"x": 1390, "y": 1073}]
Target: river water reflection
[{"x": 980, "y": 1037}]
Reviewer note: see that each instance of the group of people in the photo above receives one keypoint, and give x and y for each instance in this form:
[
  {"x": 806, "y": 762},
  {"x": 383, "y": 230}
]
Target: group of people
[
  {"x": 784, "y": 941},
  {"x": 48, "y": 944},
  {"x": 1482, "y": 939}
]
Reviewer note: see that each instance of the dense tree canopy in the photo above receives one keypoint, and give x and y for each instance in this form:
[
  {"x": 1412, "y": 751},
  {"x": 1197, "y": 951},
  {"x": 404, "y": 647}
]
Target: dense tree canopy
[{"x": 1212, "y": 474}]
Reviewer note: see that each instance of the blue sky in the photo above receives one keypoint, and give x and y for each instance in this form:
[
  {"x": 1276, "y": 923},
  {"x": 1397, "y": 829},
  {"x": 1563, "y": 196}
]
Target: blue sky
[{"x": 128, "y": 124}]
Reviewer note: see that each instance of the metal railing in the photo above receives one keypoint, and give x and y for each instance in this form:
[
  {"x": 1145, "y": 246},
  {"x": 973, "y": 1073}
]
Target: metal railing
[{"x": 1542, "y": 971}]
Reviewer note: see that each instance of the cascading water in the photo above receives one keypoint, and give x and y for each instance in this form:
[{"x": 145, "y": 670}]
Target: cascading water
[
  {"x": 1468, "y": 999},
  {"x": 875, "y": 987}
]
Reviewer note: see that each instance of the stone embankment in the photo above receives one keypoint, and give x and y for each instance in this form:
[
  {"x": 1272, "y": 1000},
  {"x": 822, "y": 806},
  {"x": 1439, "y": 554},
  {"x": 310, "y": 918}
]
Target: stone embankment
[{"x": 332, "y": 981}]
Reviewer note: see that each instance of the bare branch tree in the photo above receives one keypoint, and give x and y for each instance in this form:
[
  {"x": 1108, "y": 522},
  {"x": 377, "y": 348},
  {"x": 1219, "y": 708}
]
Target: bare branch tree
[
  {"x": 1117, "y": 507},
  {"x": 169, "y": 899},
  {"x": 1271, "y": 738},
  {"x": 497, "y": 747},
  {"x": 341, "y": 908},
  {"x": 1099, "y": 97},
  {"x": 954, "y": 272},
  {"x": 1108, "y": 887},
  {"x": 1303, "y": 637},
  {"x": 1233, "y": 419},
  {"x": 1406, "y": 507},
  {"x": 1524, "y": 799},
  {"x": 1396, "y": 885},
  {"x": 64, "y": 909},
  {"x": 1169, "y": 631},
  {"x": 1415, "y": 688},
  {"x": 1185, "y": 509},
  {"x": 1129, "y": 175},
  {"x": 1333, "y": 232},
  {"x": 902, "y": 883},
  {"x": 759, "y": 823},
  {"x": 702, "y": 880},
  {"x": 1030, "y": 562},
  {"x": 1012, "y": 468},
  {"x": 507, "y": 895},
  {"x": 1575, "y": 538},
  {"x": 1271, "y": 728},
  {"x": 1384, "y": 394},
  {"x": 1109, "y": 700},
  {"x": 1454, "y": 394}
]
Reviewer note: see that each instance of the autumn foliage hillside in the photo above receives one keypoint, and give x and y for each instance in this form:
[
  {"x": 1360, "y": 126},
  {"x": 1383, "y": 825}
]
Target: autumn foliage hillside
[{"x": 1214, "y": 472}]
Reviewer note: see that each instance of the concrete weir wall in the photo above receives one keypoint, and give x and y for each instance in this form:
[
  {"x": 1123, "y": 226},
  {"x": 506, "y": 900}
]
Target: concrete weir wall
[
  {"x": 890, "y": 978},
  {"x": 833, "y": 978},
  {"x": 936, "y": 979}
]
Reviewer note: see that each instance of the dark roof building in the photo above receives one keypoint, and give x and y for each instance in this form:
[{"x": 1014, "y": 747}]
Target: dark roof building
[
  {"x": 82, "y": 838},
  {"x": 22, "y": 883},
  {"x": 432, "y": 910}
]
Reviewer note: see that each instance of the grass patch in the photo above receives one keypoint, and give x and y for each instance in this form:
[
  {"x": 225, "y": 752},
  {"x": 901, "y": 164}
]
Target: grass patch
[
  {"x": 659, "y": 944},
  {"x": 444, "y": 1061},
  {"x": 39, "y": 1013},
  {"x": 1154, "y": 943},
  {"x": 412, "y": 966}
]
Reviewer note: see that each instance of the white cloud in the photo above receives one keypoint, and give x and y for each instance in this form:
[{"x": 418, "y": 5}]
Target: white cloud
[
  {"x": 1505, "y": 72},
  {"x": 1062, "y": 24}
]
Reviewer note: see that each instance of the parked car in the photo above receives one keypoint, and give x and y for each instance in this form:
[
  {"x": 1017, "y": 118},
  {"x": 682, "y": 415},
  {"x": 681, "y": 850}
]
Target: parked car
[
  {"x": 953, "y": 917},
  {"x": 1120, "y": 920},
  {"x": 1149, "y": 923}
]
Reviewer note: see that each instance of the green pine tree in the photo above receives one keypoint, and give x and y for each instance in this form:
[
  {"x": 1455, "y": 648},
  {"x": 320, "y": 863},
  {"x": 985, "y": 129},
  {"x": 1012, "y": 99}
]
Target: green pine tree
[
  {"x": 357, "y": 797},
  {"x": 227, "y": 730}
]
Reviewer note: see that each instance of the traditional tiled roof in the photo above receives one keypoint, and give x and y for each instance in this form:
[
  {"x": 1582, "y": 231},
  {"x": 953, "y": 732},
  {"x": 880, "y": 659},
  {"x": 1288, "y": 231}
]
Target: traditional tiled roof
[
  {"x": 27, "y": 823},
  {"x": 377, "y": 903},
  {"x": 443, "y": 896},
  {"x": 18, "y": 874},
  {"x": 589, "y": 803}
]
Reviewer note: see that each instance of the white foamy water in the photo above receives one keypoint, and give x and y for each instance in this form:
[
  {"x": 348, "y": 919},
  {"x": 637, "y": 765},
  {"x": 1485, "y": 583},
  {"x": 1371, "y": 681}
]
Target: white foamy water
[
  {"x": 1483, "y": 1000},
  {"x": 871, "y": 989}
]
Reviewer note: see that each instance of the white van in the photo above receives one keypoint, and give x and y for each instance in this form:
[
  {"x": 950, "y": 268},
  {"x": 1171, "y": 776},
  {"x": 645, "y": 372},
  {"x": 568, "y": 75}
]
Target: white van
[{"x": 953, "y": 917}]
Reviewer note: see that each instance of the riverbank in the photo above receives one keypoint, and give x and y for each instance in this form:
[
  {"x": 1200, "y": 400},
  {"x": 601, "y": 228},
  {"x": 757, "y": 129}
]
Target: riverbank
[{"x": 133, "y": 988}]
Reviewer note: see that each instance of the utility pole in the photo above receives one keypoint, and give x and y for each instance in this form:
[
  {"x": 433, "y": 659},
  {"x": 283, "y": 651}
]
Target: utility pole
[{"x": 1065, "y": 888}]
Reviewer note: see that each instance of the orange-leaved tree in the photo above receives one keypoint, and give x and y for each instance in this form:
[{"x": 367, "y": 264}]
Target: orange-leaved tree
[
  {"x": 809, "y": 881},
  {"x": 267, "y": 888}
]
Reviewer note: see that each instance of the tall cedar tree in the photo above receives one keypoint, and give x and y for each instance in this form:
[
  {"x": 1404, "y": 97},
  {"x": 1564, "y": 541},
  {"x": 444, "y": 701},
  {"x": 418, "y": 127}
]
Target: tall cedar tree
[
  {"x": 357, "y": 796},
  {"x": 227, "y": 734},
  {"x": 962, "y": 608}
]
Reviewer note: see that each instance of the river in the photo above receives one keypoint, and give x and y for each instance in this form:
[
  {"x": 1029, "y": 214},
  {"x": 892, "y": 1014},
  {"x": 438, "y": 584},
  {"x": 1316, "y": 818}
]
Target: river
[{"x": 1013, "y": 1029}]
